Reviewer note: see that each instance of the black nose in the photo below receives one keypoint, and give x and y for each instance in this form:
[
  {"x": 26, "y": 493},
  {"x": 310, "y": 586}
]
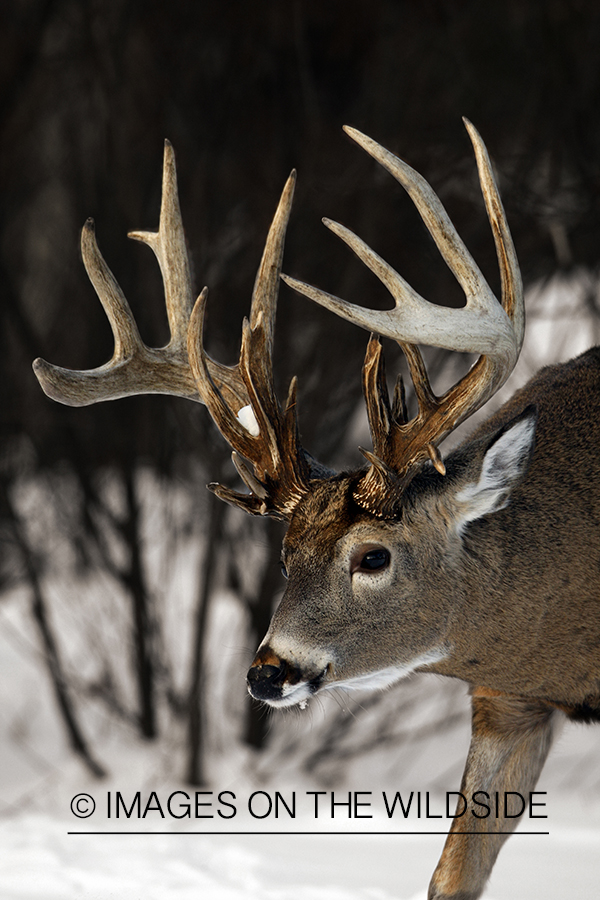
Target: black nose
[{"x": 265, "y": 682}]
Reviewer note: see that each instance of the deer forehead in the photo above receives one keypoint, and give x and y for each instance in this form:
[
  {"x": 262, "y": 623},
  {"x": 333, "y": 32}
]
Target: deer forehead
[
  {"x": 327, "y": 514},
  {"x": 329, "y": 524}
]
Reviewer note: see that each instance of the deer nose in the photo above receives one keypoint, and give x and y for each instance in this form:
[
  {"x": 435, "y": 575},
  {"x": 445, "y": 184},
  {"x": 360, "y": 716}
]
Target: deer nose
[{"x": 266, "y": 680}]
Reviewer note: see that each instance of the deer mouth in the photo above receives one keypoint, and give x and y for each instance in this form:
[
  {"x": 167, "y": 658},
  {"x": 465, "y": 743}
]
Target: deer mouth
[{"x": 280, "y": 683}]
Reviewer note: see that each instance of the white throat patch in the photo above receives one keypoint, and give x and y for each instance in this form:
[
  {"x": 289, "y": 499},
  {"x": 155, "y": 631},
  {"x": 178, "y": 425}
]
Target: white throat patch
[{"x": 390, "y": 675}]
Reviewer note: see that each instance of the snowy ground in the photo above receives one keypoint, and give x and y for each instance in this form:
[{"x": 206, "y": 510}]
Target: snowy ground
[{"x": 41, "y": 861}]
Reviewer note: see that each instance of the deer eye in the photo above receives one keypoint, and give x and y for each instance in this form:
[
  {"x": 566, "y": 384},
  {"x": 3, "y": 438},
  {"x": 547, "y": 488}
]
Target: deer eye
[
  {"x": 373, "y": 560},
  {"x": 284, "y": 571}
]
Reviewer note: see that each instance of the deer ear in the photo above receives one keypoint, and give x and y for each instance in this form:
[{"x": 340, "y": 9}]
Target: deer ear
[{"x": 504, "y": 464}]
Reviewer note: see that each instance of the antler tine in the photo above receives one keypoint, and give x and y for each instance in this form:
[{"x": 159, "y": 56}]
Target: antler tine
[
  {"x": 257, "y": 337},
  {"x": 169, "y": 246},
  {"x": 510, "y": 273},
  {"x": 259, "y": 430},
  {"x": 257, "y": 363},
  {"x": 232, "y": 391}
]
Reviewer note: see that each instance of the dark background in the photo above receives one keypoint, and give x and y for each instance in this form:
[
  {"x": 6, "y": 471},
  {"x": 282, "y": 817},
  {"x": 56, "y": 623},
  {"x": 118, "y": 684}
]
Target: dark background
[{"x": 245, "y": 92}]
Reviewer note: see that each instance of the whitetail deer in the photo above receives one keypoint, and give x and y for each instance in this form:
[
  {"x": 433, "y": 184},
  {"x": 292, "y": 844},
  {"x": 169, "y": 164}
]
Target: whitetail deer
[{"x": 483, "y": 567}]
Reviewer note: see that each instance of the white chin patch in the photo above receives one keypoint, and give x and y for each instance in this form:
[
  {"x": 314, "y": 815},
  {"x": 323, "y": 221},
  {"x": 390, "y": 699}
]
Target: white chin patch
[
  {"x": 383, "y": 678},
  {"x": 293, "y": 695},
  {"x": 300, "y": 694}
]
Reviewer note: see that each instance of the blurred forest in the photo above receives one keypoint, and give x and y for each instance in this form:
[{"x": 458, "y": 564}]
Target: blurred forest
[{"x": 245, "y": 92}]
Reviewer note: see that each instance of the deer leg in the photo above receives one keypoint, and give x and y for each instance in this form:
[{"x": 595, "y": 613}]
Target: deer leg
[{"x": 510, "y": 741}]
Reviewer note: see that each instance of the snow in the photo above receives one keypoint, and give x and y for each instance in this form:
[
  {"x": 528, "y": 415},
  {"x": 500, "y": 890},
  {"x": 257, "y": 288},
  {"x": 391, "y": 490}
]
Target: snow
[{"x": 41, "y": 861}]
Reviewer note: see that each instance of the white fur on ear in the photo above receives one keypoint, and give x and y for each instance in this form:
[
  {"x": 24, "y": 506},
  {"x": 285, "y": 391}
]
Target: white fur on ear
[{"x": 503, "y": 465}]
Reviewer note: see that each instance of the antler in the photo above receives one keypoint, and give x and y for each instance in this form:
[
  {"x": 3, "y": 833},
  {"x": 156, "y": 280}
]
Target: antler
[
  {"x": 240, "y": 398},
  {"x": 261, "y": 432},
  {"x": 482, "y": 326},
  {"x": 134, "y": 367}
]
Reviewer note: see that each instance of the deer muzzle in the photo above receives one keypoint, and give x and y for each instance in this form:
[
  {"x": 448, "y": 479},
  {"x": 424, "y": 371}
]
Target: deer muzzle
[{"x": 278, "y": 682}]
